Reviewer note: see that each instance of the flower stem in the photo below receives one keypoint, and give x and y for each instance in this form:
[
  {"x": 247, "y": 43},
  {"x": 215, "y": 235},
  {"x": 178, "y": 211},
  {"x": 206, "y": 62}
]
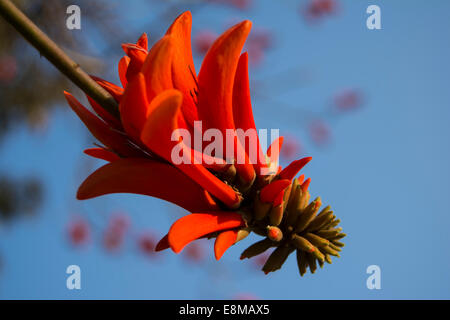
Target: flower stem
[{"x": 57, "y": 56}]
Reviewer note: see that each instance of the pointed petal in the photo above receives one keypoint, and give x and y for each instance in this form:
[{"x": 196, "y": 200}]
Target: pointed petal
[
  {"x": 301, "y": 179},
  {"x": 272, "y": 190},
  {"x": 157, "y": 136},
  {"x": 146, "y": 177},
  {"x": 279, "y": 198},
  {"x": 216, "y": 78},
  {"x": 102, "y": 153},
  {"x": 162, "y": 122},
  {"x": 123, "y": 67},
  {"x": 137, "y": 56},
  {"x": 163, "y": 244},
  {"x": 293, "y": 168},
  {"x": 101, "y": 130},
  {"x": 143, "y": 41},
  {"x": 273, "y": 155},
  {"x": 223, "y": 241},
  {"x": 305, "y": 185},
  {"x": 114, "y": 90},
  {"x": 105, "y": 115},
  {"x": 157, "y": 68},
  {"x": 243, "y": 114},
  {"x": 134, "y": 106},
  {"x": 196, "y": 225},
  {"x": 244, "y": 167},
  {"x": 183, "y": 69},
  {"x": 273, "y": 152}
]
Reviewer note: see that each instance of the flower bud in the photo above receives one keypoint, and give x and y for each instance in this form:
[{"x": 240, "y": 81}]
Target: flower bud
[
  {"x": 311, "y": 262},
  {"x": 316, "y": 240},
  {"x": 302, "y": 244},
  {"x": 242, "y": 234},
  {"x": 329, "y": 233},
  {"x": 274, "y": 233},
  {"x": 308, "y": 215},
  {"x": 261, "y": 209},
  {"x": 276, "y": 215},
  {"x": 329, "y": 251},
  {"x": 302, "y": 263}
]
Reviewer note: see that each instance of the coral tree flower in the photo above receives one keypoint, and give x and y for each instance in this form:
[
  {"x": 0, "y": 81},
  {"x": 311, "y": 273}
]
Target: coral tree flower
[{"x": 161, "y": 92}]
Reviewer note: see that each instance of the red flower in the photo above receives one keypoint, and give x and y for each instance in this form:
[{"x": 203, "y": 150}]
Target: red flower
[{"x": 162, "y": 94}]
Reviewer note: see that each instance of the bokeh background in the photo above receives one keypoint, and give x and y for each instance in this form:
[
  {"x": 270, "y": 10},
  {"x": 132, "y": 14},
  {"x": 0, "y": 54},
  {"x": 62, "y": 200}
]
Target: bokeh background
[{"x": 372, "y": 107}]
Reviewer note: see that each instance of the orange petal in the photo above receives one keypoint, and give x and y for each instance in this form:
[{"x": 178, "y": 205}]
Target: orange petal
[
  {"x": 157, "y": 67},
  {"x": 196, "y": 225},
  {"x": 147, "y": 177},
  {"x": 183, "y": 70},
  {"x": 157, "y": 136},
  {"x": 278, "y": 199},
  {"x": 101, "y": 130},
  {"x": 114, "y": 90},
  {"x": 102, "y": 153},
  {"x": 244, "y": 168},
  {"x": 123, "y": 67},
  {"x": 293, "y": 168},
  {"x": 223, "y": 241},
  {"x": 163, "y": 244},
  {"x": 305, "y": 185},
  {"x": 137, "y": 56},
  {"x": 272, "y": 190},
  {"x": 242, "y": 111},
  {"x": 134, "y": 106},
  {"x": 301, "y": 179},
  {"x": 273, "y": 151},
  {"x": 143, "y": 41},
  {"x": 105, "y": 115},
  {"x": 216, "y": 78}
]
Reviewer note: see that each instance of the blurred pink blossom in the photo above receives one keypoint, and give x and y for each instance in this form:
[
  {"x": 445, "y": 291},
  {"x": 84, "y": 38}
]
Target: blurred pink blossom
[
  {"x": 291, "y": 148},
  {"x": 348, "y": 99},
  {"x": 244, "y": 296},
  {"x": 147, "y": 243},
  {"x": 203, "y": 40},
  {"x": 239, "y": 4},
  {"x": 320, "y": 132},
  {"x": 114, "y": 234},
  {"x": 195, "y": 251},
  {"x": 258, "y": 42},
  {"x": 261, "y": 259},
  {"x": 317, "y": 9},
  {"x": 79, "y": 232}
]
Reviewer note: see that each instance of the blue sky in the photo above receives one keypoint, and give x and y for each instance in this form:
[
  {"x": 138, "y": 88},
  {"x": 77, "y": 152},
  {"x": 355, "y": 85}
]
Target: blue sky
[{"x": 385, "y": 173}]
